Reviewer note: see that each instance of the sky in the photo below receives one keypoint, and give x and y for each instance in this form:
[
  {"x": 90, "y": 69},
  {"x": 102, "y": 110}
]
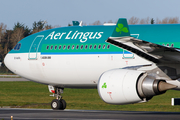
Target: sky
[{"x": 63, "y": 12}]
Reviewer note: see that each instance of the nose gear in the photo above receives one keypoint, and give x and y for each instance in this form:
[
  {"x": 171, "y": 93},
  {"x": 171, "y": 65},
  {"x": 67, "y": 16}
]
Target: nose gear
[{"x": 58, "y": 103}]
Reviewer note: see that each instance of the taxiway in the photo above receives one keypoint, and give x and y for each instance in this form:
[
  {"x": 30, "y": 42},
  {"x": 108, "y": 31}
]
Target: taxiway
[{"x": 48, "y": 114}]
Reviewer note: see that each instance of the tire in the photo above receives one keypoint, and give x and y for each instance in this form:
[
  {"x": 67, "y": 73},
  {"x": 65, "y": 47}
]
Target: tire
[
  {"x": 63, "y": 104},
  {"x": 55, "y": 104}
]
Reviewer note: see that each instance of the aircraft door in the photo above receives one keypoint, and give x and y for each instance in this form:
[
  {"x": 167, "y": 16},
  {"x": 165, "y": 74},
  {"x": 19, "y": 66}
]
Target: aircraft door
[
  {"x": 34, "y": 47},
  {"x": 127, "y": 55}
]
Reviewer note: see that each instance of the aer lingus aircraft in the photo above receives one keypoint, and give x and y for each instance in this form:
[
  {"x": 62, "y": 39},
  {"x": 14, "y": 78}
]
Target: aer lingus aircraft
[{"x": 126, "y": 63}]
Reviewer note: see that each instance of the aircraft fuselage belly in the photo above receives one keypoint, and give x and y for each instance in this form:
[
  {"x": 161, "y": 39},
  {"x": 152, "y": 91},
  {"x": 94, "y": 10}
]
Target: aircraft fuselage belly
[{"x": 81, "y": 71}]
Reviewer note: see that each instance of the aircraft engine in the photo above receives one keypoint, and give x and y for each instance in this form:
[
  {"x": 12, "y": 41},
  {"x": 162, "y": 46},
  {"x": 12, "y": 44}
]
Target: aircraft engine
[{"x": 121, "y": 86}]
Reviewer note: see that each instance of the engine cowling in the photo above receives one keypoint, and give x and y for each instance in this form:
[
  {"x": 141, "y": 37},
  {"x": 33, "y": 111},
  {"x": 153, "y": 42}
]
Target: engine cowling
[{"x": 121, "y": 86}]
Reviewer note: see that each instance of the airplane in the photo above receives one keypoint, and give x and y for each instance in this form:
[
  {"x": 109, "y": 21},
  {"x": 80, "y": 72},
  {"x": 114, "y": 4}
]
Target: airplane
[{"x": 126, "y": 63}]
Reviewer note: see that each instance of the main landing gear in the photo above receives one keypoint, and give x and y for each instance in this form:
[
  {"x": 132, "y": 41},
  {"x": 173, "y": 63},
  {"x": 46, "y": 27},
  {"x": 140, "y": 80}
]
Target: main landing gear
[{"x": 58, "y": 103}]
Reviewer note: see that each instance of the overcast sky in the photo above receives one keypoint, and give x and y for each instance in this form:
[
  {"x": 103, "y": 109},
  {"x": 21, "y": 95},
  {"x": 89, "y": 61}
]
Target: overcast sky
[{"x": 62, "y": 12}]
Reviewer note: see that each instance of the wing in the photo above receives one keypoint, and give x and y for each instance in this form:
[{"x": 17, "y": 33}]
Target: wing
[{"x": 150, "y": 51}]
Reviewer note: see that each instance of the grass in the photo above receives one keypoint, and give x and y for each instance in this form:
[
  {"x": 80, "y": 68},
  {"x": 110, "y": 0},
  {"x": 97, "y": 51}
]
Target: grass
[
  {"x": 8, "y": 73},
  {"x": 10, "y": 76},
  {"x": 34, "y": 95}
]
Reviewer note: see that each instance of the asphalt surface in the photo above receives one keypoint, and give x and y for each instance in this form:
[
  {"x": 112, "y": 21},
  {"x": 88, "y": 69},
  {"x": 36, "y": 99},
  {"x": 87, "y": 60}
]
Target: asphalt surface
[{"x": 48, "y": 114}]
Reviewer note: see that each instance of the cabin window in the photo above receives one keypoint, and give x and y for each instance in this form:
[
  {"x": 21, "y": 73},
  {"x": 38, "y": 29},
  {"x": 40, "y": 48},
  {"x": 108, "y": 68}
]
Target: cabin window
[
  {"x": 51, "y": 47},
  {"x": 90, "y": 46},
  {"x": 108, "y": 46},
  {"x": 73, "y": 47},
  {"x": 47, "y": 47},
  {"x": 68, "y": 47},
  {"x": 168, "y": 45},
  {"x": 64, "y": 46},
  {"x": 77, "y": 46},
  {"x": 172, "y": 45},
  {"x": 99, "y": 46},
  {"x": 81, "y": 46},
  {"x": 104, "y": 46},
  {"x": 55, "y": 47},
  {"x": 59, "y": 47},
  {"x": 94, "y": 46},
  {"x": 86, "y": 47}
]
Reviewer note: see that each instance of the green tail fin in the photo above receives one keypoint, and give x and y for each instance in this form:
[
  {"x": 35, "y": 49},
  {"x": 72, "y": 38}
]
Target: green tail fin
[{"x": 121, "y": 28}]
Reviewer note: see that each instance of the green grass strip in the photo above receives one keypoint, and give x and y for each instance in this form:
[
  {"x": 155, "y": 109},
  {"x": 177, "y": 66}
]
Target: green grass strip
[{"x": 34, "y": 95}]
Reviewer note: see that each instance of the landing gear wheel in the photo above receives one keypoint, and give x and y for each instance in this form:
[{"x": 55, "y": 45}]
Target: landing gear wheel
[
  {"x": 56, "y": 104},
  {"x": 63, "y": 104}
]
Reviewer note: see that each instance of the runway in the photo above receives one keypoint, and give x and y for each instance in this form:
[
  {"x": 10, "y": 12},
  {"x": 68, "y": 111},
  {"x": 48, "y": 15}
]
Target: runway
[{"x": 48, "y": 114}]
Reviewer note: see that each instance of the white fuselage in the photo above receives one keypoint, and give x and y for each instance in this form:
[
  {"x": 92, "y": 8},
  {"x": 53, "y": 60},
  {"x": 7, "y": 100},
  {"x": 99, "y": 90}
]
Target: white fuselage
[{"x": 81, "y": 71}]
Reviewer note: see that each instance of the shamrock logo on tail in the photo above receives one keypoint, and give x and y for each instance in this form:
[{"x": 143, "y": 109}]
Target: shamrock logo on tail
[
  {"x": 104, "y": 85},
  {"x": 121, "y": 28}
]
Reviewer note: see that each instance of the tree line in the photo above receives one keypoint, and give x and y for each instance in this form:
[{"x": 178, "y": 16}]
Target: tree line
[
  {"x": 9, "y": 38},
  {"x": 167, "y": 20}
]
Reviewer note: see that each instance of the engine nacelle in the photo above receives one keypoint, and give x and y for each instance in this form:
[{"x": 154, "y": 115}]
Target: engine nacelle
[{"x": 121, "y": 86}]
